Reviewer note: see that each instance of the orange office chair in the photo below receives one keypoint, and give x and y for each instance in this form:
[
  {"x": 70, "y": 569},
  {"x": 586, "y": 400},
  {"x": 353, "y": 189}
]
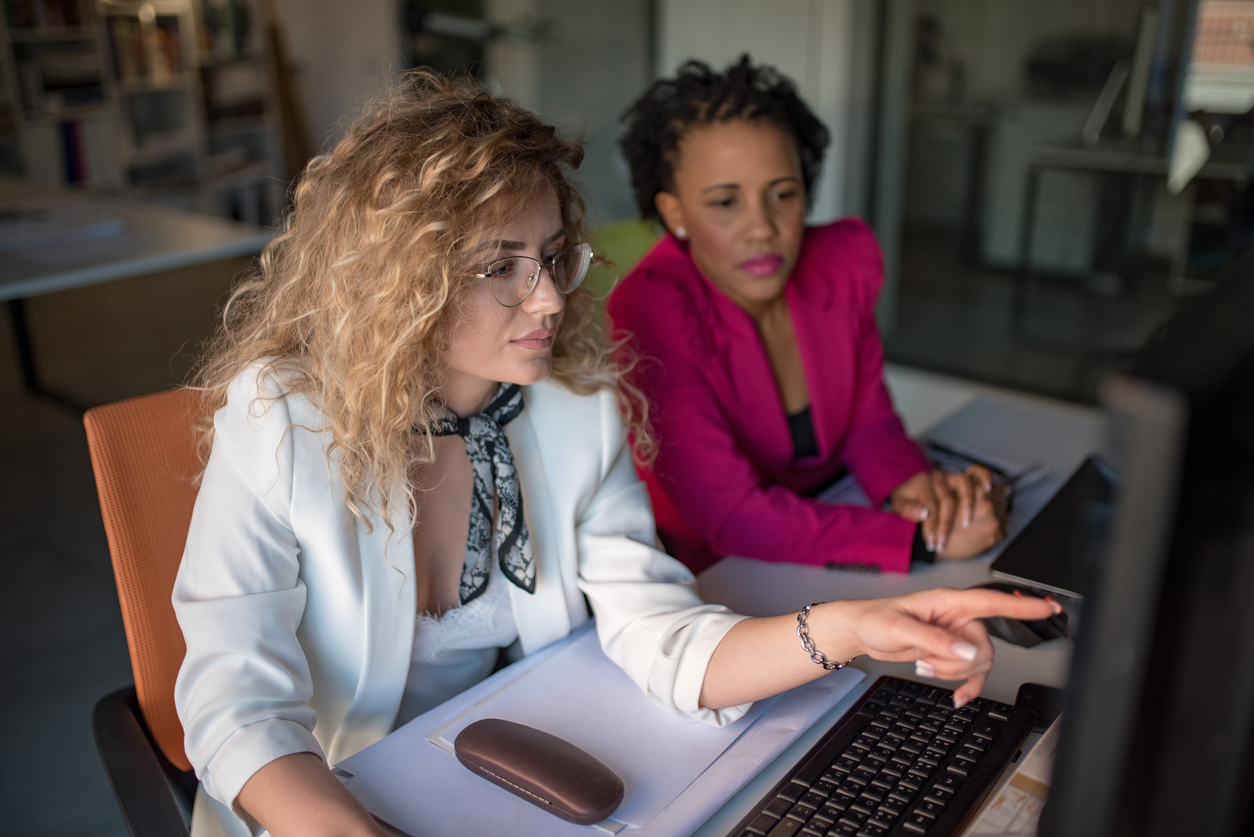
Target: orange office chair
[{"x": 143, "y": 452}]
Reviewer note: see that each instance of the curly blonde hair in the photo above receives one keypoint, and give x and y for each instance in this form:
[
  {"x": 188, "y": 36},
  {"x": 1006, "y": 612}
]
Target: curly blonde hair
[{"x": 353, "y": 302}]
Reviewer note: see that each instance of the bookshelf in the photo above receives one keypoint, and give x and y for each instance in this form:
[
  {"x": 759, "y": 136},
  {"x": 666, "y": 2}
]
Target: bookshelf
[
  {"x": 55, "y": 120},
  {"x": 166, "y": 101}
]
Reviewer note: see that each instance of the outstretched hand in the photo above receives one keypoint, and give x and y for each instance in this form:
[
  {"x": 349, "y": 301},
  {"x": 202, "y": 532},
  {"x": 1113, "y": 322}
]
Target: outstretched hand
[{"x": 941, "y": 630}]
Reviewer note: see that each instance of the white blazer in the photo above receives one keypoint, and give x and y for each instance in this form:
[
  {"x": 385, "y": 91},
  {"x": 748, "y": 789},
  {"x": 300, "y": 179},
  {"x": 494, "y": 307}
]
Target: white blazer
[{"x": 299, "y": 623}]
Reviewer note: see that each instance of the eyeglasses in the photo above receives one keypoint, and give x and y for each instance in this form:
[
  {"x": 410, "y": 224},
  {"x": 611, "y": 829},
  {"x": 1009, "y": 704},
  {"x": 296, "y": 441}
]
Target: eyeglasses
[{"x": 513, "y": 278}]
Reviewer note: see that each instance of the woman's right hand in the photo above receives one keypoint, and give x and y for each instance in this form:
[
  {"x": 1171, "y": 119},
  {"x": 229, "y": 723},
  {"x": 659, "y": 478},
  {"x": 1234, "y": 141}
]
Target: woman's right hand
[
  {"x": 939, "y": 629},
  {"x": 987, "y": 526},
  {"x": 296, "y": 796}
]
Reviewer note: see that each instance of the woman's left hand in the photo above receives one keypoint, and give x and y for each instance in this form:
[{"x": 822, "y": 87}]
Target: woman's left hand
[{"x": 939, "y": 501}]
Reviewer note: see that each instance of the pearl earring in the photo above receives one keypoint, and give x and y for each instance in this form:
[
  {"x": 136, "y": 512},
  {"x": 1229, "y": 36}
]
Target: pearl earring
[{"x": 681, "y": 233}]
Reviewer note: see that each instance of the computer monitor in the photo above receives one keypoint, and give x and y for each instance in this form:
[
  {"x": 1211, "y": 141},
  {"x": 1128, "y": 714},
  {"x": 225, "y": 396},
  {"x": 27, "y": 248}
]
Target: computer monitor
[{"x": 1158, "y": 725}]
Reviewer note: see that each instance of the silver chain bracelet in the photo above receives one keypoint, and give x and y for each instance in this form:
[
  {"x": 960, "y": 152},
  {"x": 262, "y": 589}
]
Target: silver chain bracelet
[{"x": 807, "y": 644}]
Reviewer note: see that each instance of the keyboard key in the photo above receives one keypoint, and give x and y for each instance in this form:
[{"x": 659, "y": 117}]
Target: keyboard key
[
  {"x": 931, "y": 761},
  {"x": 894, "y": 769},
  {"x": 843, "y": 829},
  {"x": 833, "y": 810},
  {"x": 892, "y": 684},
  {"x": 967, "y": 714},
  {"x": 883, "y": 695},
  {"x": 980, "y": 744},
  {"x": 884, "y": 816},
  {"x": 971, "y": 753},
  {"x": 802, "y": 811},
  {"x": 845, "y": 793},
  {"x": 938, "y": 794},
  {"x": 917, "y": 824},
  {"x": 871, "y": 708},
  {"x": 945, "y": 737},
  {"x": 893, "y": 806},
  {"x": 981, "y": 704},
  {"x": 948, "y": 783},
  {"x": 910, "y": 782},
  {"x": 873, "y": 829},
  {"x": 793, "y": 791},
  {"x": 931, "y": 694},
  {"x": 914, "y": 747},
  {"x": 763, "y": 824},
  {"x": 935, "y": 750},
  {"x": 1000, "y": 711},
  {"x": 825, "y": 786},
  {"x": 862, "y": 776},
  {"x": 875, "y": 793},
  {"x": 823, "y": 818},
  {"x": 912, "y": 690},
  {"x": 986, "y": 731},
  {"x": 930, "y": 725},
  {"x": 813, "y": 799},
  {"x": 779, "y": 806},
  {"x": 882, "y": 782},
  {"x": 813, "y": 829},
  {"x": 862, "y": 805},
  {"x": 787, "y": 827},
  {"x": 915, "y": 713},
  {"x": 931, "y": 809},
  {"x": 960, "y": 767},
  {"x": 885, "y": 750},
  {"x": 852, "y": 817},
  {"x": 845, "y": 764}
]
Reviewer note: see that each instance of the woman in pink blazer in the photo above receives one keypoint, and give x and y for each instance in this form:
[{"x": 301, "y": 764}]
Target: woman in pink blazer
[{"x": 758, "y": 346}]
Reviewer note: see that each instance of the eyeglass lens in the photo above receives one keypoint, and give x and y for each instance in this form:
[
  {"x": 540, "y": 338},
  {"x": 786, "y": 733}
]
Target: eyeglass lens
[{"x": 512, "y": 278}]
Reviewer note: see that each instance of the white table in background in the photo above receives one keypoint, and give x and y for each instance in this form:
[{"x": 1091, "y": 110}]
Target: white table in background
[{"x": 152, "y": 239}]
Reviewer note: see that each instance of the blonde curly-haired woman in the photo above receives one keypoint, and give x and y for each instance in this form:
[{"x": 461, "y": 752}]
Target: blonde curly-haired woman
[{"x": 418, "y": 466}]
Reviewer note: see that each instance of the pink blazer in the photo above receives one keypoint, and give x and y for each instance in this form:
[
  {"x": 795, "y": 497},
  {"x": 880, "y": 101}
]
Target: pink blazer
[{"x": 725, "y": 481}]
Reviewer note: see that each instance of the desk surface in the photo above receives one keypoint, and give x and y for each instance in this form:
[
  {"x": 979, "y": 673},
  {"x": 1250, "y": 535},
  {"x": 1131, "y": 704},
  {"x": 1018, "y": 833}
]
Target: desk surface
[
  {"x": 149, "y": 239},
  {"x": 1059, "y": 436}
]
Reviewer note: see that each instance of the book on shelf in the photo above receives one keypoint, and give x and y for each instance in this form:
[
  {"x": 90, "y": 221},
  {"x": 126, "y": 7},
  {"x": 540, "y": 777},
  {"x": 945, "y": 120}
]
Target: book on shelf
[{"x": 49, "y": 14}]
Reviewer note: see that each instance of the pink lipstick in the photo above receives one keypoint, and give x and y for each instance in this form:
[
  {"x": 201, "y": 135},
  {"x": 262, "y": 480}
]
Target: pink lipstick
[
  {"x": 766, "y": 264},
  {"x": 540, "y": 339}
]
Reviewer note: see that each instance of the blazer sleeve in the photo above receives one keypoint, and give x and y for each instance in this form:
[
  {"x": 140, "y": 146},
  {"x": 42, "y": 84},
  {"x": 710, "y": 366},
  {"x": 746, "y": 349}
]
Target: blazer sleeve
[
  {"x": 242, "y": 689},
  {"x": 649, "y": 618},
  {"x": 876, "y": 448},
  {"x": 708, "y": 472}
]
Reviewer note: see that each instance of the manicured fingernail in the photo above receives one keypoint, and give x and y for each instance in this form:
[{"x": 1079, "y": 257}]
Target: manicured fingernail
[
  {"x": 966, "y": 521},
  {"x": 963, "y": 649},
  {"x": 923, "y": 515},
  {"x": 923, "y": 669},
  {"x": 988, "y": 486},
  {"x": 1054, "y": 603},
  {"x": 1018, "y": 593},
  {"x": 961, "y": 701}
]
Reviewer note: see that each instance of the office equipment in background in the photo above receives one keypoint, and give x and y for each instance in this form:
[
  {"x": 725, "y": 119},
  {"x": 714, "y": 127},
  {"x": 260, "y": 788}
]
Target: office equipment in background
[
  {"x": 1160, "y": 709},
  {"x": 902, "y": 761},
  {"x": 1056, "y": 548},
  {"x": 1021, "y": 632}
]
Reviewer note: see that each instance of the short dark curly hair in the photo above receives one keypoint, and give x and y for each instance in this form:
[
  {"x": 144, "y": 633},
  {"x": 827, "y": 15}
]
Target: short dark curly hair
[{"x": 698, "y": 95}]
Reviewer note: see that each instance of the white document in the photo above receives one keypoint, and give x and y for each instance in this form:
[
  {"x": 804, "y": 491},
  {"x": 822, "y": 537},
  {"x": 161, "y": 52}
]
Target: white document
[{"x": 676, "y": 773}]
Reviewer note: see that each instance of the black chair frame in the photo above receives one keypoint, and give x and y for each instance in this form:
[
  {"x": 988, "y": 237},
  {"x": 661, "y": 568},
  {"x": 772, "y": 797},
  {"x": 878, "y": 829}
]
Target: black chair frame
[{"x": 155, "y": 796}]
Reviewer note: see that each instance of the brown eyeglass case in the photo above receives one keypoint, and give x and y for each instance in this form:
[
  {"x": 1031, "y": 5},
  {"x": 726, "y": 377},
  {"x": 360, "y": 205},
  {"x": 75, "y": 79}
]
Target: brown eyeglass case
[{"x": 541, "y": 768}]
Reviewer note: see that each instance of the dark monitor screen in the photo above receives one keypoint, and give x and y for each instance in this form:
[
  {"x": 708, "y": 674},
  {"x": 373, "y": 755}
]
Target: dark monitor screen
[{"x": 1158, "y": 725}]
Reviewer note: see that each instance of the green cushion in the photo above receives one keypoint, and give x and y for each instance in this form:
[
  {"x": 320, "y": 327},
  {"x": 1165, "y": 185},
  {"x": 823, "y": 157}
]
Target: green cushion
[{"x": 623, "y": 244}]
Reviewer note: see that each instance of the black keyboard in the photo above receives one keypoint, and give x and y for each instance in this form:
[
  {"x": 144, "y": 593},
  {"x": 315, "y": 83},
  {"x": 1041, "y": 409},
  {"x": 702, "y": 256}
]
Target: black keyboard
[{"x": 901, "y": 763}]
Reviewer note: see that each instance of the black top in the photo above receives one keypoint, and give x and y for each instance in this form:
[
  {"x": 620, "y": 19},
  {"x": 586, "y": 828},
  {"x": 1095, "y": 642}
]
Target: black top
[{"x": 804, "y": 442}]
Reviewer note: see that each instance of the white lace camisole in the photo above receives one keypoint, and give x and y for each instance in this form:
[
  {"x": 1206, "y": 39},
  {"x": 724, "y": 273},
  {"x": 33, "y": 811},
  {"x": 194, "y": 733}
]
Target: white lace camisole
[{"x": 455, "y": 651}]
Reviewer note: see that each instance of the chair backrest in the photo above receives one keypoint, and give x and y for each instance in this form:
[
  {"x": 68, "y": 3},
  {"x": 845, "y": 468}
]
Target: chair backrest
[{"x": 143, "y": 452}]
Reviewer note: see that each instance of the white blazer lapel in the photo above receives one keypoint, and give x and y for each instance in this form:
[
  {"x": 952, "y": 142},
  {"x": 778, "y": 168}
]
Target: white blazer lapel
[
  {"x": 390, "y": 607},
  {"x": 542, "y": 616}
]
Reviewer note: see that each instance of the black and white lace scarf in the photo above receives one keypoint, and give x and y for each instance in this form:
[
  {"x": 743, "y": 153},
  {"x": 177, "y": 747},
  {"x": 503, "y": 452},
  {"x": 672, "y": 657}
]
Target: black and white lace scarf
[{"x": 492, "y": 463}]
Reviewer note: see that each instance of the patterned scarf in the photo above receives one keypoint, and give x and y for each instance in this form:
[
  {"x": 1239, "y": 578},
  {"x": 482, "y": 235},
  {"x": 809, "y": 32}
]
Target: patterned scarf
[{"x": 493, "y": 465}]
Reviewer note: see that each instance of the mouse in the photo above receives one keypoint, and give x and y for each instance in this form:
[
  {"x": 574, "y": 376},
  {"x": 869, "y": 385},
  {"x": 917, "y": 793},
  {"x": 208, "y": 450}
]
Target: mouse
[{"x": 1024, "y": 633}]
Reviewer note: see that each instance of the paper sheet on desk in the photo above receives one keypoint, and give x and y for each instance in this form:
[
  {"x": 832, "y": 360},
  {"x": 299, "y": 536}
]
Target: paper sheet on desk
[
  {"x": 1015, "y": 810},
  {"x": 676, "y": 773}
]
